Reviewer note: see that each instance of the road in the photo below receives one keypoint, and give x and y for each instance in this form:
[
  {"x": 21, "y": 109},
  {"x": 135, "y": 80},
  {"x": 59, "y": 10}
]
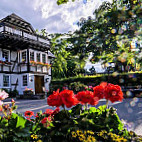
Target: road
[{"x": 130, "y": 110}]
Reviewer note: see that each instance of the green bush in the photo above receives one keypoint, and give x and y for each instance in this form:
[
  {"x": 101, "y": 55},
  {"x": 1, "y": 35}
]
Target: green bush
[
  {"x": 13, "y": 93},
  {"x": 122, "y": 79},
  {"x": 77, "y": 86}
]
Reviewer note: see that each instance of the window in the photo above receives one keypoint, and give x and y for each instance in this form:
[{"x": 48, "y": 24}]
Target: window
[
  {"x": 24, "y": 56},
  {"x": 25, "y": 81},
  {"x": 43, "y": 58},
  {"x": 38, "y": 57},
  {"x": 5, "y": 55},
  {"x": 31, "y": 56},
  {"x": 6, "y": 80}
]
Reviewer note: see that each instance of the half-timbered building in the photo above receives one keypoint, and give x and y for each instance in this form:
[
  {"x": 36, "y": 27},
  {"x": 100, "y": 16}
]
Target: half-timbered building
[{"x": 25, "y": 56}]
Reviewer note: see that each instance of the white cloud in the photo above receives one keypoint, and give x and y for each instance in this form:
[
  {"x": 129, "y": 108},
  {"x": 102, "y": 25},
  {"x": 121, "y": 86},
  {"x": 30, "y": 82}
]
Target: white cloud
[
  {"x": 47, "y": 14},
  {"x": 69, "y": 13}
]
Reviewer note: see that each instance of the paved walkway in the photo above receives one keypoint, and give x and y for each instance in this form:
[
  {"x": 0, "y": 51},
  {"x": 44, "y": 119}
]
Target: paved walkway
[{"x": 130, "y": 110}]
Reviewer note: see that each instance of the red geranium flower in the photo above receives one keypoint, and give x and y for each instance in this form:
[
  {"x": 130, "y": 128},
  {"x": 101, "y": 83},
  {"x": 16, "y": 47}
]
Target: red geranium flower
[
  {"x": 55, "y": 111},
  {"x": 44, "y": 120},
  {"x": 29, "y": 119},
  {"x": 36, "y": 115},
  {"x": 113, "y": 93},
  {"x": 68, "y": 98},
  {"x": 55, "y": 99},
  {"x": 48, "y": 111},
  {"x": 29, "y": 113},
  {"x": 87, "y": 97},
  {"x": 99, "y": 90}
]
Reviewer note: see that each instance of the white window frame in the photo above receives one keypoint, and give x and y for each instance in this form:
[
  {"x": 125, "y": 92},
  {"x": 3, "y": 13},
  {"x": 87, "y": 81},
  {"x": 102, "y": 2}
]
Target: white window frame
[
  {"x": 9, "y": 81},
  {"x": 21, "y": 56},
  {"x": 8, "y": 54},
  {"x": 36, "y": 56},
  {"x": 31, "y": 51},
  {"x": 45, "y": 57},
  {"x": 23, "y": 80}
]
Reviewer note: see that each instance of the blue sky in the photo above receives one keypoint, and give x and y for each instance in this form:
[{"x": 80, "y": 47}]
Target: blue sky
[{"x": 46, "y": 14}]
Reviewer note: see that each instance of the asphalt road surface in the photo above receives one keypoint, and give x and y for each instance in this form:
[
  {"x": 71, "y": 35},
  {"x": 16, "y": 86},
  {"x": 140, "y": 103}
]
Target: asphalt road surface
[{"x": 130, "y": 110}]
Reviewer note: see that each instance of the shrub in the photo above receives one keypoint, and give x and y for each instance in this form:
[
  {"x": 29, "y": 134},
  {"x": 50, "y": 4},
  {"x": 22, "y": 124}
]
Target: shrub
[
  {"x": 77, "y": 86},
  {"x": 13, "y": 93}
]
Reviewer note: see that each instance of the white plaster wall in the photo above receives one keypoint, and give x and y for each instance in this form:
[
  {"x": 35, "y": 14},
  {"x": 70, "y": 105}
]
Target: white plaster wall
[
  {"x": 49, "y": 71},
  {"x": 14, "y": 78},
  {"x": 0, "y": 54},
  {"x": 39, "y": 68},
  {"x": 33, "y": 68},
  {"x": 1, "y": 80},
  {"x": 31, "y": 83},
  {"x": 6, "y": 68},
  {"x": 21, "y": 88},
  {"x": 23, "y": 67},
  {"x": 13, "y": 55},
  {"x": 13, "y": 58},
  {"x": 47, "y": 83},
  {"x": 44, "y": 69}
]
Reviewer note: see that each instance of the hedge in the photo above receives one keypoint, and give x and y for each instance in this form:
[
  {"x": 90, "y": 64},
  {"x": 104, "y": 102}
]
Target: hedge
[{"x": 123, "y": 79}]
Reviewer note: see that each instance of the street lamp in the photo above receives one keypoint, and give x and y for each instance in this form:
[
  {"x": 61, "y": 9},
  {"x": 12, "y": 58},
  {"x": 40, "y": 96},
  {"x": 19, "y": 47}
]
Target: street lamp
[{"x": 108, "y": 71}]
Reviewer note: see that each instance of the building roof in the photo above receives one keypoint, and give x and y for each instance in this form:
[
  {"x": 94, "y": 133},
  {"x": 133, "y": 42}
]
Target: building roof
[
  {"x": 16, "y": 33},
  {"x": 17, "y": 22}
]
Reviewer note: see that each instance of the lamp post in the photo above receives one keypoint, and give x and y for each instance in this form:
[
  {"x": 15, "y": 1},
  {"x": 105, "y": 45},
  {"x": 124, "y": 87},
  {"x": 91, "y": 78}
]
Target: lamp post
[{"x": 108, "y": 71}]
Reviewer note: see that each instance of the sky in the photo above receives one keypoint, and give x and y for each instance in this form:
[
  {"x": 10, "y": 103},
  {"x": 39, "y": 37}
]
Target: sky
[{"x": 46, "y": 14}]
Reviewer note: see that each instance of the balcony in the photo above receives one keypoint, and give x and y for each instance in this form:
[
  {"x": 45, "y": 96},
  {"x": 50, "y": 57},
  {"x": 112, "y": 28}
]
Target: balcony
[{"x": 24, "y": 35}]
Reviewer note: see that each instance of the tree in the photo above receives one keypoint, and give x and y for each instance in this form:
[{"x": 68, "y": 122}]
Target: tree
[
  {"x": 111, "y": 32},
  {"x": 67, "y": 63}
]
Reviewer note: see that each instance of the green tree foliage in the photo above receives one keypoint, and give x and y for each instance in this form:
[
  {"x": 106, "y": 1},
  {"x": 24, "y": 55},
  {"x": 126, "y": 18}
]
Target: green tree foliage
[
  {"x": 114, "y": 31},
  {"x": 67, "y": 63},
  {"x": 59, "y": 2}
]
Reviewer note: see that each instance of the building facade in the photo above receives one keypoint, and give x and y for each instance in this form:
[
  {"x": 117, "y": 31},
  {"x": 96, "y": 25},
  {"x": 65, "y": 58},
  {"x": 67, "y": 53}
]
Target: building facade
[{"x": 25, "y": 57}]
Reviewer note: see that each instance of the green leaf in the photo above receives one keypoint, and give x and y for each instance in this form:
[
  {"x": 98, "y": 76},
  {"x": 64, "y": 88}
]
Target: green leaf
[{"x": 20, "y": 120}]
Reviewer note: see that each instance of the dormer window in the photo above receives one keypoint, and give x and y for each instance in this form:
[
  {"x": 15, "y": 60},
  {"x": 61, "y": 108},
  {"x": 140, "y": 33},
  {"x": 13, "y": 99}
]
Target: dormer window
[
  {"x": 38, "y": 57},
  {"x": 32, "y": 56},
  {"x": 24, "y": 56},
  {"x": 5, "y": 56}
]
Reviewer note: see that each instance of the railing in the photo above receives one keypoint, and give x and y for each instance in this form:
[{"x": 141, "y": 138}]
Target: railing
[{"x": 23, "y": 34}]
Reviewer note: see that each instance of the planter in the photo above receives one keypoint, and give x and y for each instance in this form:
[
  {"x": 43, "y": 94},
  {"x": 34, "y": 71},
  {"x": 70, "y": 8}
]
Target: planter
[{"x": 28, "y": 92}]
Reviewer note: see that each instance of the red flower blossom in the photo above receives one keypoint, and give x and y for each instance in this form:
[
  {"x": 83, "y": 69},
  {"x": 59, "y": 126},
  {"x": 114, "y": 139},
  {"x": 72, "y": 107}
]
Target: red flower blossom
[
  {"x": 48, "y": 111},
  {"x": 45, "y": 120},
  {"x": 29, "y": 113},
  {"x": 29, "y": 119},
  {"x": 36, "y": 115},
  {"x": 55, "y": 99},
  {"x": 87, "y": 97},
  {"x": 68, "y": 98},
  {"x": 55, "y": 111},
  {"x": 113, "y": 93},
  {"x": 99, "y": 90}
]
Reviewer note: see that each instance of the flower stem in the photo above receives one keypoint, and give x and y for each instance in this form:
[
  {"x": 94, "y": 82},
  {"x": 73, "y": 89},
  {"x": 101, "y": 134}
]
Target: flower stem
[
  {"x": 107, "y": 104},
  {"x": 65, "y": 110},
  {"x": 86, "y": 106}
]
